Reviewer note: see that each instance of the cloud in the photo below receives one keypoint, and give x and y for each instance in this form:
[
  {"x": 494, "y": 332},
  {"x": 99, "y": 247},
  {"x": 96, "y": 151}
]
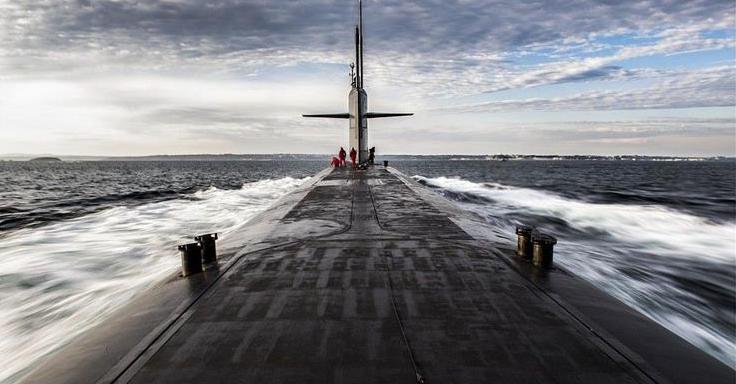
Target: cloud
[
  {"x": 653, "y": 136},
  {"x": 638, "y": 129},
  {"x": 467, "y": 43},
  {"x": 227, "y": 70},
  {"x": 713, "y": 87},
  {"x": 603, "y": 72}
]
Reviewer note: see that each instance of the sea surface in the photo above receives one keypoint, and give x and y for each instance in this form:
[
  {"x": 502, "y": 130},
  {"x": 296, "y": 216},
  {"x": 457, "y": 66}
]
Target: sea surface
[{"x": 80, "y": 239}]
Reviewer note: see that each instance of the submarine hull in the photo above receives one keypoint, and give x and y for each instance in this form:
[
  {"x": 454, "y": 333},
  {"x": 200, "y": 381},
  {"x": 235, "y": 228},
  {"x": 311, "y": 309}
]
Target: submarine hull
[{"x": 365, "y": 277}]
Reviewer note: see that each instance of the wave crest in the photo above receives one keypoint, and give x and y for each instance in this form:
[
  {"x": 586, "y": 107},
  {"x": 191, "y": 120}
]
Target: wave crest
[
  {"x": 59, "y": 280},
  {"x": 674, "y": 267}
]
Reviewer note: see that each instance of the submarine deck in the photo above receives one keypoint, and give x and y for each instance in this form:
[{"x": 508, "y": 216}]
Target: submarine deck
[{"x": 380, "y": 286}]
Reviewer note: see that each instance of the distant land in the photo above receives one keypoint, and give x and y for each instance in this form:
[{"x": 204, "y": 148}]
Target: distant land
[
  {"x": 45, "y": 159},
  {"x": 326, "y": 157}
]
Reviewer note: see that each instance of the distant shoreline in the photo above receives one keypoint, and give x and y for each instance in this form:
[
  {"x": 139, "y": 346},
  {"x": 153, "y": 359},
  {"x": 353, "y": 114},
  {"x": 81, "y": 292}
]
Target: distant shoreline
[
  {"x": 324, "y": 157},
  {"x": 45, "y": 159}
]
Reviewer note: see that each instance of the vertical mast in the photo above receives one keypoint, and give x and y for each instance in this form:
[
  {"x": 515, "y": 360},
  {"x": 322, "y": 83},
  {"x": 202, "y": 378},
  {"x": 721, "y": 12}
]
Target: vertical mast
[
  {"x": 360, "y": 21},
  {"x": 357, "y": 58}
]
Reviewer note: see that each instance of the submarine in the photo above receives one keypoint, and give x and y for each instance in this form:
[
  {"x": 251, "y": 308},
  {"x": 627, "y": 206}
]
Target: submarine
[{"x": 366, "y": 276}]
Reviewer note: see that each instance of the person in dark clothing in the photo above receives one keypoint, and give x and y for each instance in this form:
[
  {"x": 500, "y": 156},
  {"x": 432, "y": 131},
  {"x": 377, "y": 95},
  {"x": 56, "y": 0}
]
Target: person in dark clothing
[
  {"x": 371, "y": 155},
  {"x": 353, "y": 154},
  {"x": 342, "y": 156}
]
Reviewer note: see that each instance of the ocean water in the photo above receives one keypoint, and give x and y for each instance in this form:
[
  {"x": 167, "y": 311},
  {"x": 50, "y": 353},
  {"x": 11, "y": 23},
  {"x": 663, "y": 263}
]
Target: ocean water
[
  {"x": 79, "y": 240},
  {"x": 659, "y": 236}
]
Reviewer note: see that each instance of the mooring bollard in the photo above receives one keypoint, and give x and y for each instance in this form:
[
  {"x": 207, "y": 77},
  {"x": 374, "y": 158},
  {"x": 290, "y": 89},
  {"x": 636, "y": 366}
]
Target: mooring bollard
[
  {"x": 543, "y": 249},
  {"x": 385, "y": 163},
  {"x": 524, "y": 241},
  {"x": 207, "y": 243},
  {"x": 191, "y": 259}
]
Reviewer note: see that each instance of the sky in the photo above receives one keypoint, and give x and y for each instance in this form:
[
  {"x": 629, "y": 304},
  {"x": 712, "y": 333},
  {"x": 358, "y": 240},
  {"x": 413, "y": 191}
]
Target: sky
[{"x": 128, "y": 77}]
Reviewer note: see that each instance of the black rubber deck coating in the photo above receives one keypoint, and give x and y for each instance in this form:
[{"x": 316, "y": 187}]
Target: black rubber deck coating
[{"x": 398, "y": 292}]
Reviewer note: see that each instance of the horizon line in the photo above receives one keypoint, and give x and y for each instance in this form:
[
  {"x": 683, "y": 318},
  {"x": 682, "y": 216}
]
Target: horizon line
[{"x": 34, "y": 155}]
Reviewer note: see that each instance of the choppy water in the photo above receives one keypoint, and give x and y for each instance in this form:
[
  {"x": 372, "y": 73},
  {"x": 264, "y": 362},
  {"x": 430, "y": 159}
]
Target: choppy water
[
  {"x": 661, "y": 237},
  {"x": 78, "y": 240},
  {"x": 82, "y": 239}
]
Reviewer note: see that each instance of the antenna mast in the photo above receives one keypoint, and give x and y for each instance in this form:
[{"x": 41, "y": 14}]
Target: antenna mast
[
  {"x": 358, "y": 64},
  {"x": 360, "y": 21}
]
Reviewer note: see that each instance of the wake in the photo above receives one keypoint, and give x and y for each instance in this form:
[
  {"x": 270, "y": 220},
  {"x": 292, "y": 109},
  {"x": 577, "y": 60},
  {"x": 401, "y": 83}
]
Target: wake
[
  {"x": 674, "y": 267},
  {"x": 61, "y": 279}
]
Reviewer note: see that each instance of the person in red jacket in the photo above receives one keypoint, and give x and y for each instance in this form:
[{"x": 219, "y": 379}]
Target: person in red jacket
[
  {"x": 342, "y": 156},
  {"x": 353, "y": 154},
  {"x": 335, "y": 162}
]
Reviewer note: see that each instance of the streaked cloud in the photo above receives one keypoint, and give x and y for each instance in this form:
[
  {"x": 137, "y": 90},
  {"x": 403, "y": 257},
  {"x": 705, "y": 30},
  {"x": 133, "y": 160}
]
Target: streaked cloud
[
  {"x": 143, "y": 71},
  {"x": 713, "y": 87}
]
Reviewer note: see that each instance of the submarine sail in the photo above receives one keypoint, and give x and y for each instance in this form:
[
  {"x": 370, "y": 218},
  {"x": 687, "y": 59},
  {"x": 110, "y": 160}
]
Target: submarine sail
[{"x": 358, "y": 100}]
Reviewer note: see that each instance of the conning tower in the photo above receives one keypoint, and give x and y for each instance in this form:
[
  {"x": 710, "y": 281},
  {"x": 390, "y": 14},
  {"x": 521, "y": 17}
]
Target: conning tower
[{"x": 358, "y": 99}]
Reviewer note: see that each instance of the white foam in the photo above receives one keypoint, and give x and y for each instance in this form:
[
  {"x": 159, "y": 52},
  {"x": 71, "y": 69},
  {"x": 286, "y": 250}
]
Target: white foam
[
  {"x": 660, "y": 229},
  {"x": 59, "y": 280},
  {"x": 677, "y": 239}
]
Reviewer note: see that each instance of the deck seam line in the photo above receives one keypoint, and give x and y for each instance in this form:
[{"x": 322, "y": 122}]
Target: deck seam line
[
  {"x": 173, "y": 325},
  {"x": 394, "y": 304},
  {"x": 162, "y": 335},
  {"x": 611, "y": 345},
  {"x": 653, "y": 377},
  {"x": 153, "y": 348},
  {"x": 171, "y": 321}
]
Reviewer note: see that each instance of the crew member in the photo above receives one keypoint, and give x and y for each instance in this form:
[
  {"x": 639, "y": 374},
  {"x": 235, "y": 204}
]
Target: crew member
[
  {"x": 342, "y": 156},
  {"x": 353, "y": 154},
  {"x": 371, "y": 155}
]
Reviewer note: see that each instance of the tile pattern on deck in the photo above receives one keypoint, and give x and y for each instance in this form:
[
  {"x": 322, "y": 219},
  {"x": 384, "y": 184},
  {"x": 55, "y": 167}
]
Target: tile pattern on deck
[{"x": 325, "y": 310}]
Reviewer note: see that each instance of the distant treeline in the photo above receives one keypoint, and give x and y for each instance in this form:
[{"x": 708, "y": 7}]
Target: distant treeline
[{"x": 325, "y": 157}]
